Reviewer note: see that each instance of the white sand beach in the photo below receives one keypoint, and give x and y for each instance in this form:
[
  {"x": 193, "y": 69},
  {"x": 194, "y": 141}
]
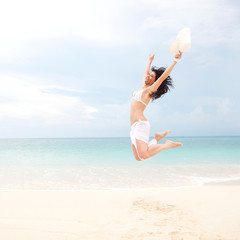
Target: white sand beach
[{"x": 204, "y": 213}]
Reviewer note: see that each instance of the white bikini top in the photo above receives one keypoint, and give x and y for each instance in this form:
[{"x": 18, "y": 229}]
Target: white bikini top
[{"x": 137, "y": 95}]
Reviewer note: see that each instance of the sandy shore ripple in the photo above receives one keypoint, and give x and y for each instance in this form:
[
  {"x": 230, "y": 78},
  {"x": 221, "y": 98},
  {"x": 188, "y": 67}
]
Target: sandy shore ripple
[{"x": 202, "y": 213}]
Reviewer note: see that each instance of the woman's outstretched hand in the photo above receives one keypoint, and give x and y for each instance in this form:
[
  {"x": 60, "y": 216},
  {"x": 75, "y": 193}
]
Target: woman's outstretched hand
[
  {"x": 151, "y": 57},
  {"x": 179, "y": 55}
]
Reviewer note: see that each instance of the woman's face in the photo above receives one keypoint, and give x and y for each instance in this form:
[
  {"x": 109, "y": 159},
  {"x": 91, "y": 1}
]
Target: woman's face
[{"x": 150, "y": 78}]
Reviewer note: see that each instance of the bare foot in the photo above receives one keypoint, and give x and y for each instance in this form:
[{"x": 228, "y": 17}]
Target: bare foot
[
  {"x": 159, "y": 136},
  {"x": 172, "y": 144}
]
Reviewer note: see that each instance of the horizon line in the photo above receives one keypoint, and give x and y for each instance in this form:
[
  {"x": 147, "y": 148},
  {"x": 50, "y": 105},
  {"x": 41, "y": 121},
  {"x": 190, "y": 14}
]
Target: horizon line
[{"x": 113, "y": 137}]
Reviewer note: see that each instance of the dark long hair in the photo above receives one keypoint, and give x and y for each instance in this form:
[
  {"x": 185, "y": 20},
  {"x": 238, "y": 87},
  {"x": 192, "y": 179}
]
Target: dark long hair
[{"x": 164, "y": 87}]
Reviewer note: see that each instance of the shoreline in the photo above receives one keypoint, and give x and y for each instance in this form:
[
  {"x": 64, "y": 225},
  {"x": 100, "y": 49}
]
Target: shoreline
[{"x": 232, "y": 182}]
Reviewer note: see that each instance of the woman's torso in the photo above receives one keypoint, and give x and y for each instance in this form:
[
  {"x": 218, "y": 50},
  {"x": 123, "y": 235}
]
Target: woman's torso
[{"x": 139, "y": 102}]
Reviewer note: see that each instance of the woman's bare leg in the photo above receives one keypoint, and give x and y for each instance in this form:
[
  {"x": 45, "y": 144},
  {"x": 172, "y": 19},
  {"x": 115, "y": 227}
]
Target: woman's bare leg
[
  {"x": 157, "y": 148},
  {"x": 146, "y": 151},
  {"x": 158, "y": 137},
  {"x": 161, "y": 135}
]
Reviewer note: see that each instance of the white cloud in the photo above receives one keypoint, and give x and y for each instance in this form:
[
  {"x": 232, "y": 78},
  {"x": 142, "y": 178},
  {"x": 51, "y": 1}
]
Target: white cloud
[
  {"x": 220, "y": 105},
  {"x": 105, "y": 21},
  {"x": 210, "y": 116},
  {"x": 211, "y": 22},
  {"x": 26, "y": 20},
  {"x": 224, "y": 107},
  {"x": 26, "y": 98}
]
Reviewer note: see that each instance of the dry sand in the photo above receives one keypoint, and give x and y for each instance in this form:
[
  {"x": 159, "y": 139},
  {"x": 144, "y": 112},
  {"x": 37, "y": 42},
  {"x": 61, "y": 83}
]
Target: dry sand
[{"x": 204, "y": 213}]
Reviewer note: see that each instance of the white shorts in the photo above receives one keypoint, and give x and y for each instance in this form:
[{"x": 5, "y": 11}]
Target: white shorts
[{"x": 141, "y": 130}]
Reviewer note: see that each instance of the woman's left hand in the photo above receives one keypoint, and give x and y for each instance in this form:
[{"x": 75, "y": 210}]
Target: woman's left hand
[
  {"x": 179, "y": 55},
  {"x": 151, "y": 57}
]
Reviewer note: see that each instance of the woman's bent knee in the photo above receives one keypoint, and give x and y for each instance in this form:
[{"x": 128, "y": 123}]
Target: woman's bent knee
[
  {"x": 143, "y": 154},
  {"x": 138, "y": 159}
]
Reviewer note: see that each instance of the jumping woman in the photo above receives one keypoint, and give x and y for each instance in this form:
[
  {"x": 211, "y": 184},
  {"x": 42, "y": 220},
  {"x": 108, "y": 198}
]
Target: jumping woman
[{"x": 155, "y": 84}]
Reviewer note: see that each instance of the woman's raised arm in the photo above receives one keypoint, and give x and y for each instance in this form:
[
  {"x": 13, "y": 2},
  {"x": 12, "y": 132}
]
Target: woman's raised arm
[
  {"x": 147, "y": 70},
  {"x": 166, "y": 73}
]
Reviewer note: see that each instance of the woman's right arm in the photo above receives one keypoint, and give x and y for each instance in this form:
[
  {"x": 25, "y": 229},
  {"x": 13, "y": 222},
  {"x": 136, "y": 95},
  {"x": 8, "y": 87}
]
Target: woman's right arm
[
  {"x": 166, "y": 73},
  {"x": 147, "y": 70}
]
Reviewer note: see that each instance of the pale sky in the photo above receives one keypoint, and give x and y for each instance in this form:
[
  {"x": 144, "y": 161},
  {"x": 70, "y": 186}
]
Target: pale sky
[{"x": 68, "y": 68}]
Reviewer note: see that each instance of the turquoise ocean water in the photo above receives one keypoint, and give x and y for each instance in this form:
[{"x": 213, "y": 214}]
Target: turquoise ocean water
[{"x": 108, "y": 163}]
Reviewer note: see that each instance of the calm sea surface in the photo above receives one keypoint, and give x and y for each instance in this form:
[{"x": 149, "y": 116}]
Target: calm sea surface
[{"x": 108, "y": 163}]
